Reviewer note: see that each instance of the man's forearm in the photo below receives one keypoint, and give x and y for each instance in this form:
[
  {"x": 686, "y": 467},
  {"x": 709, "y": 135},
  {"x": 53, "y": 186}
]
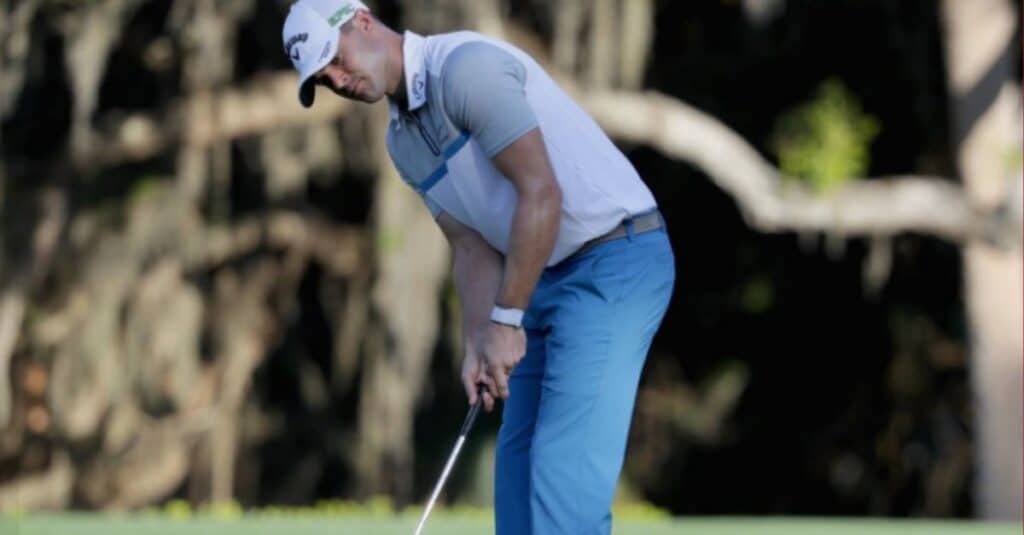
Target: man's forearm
[
  {"x": 534, "y": 230},
  {"x": 477, "y": 271}
]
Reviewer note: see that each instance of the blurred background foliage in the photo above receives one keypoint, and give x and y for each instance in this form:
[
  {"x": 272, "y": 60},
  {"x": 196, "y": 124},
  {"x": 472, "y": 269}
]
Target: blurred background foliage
[
  {"x": 210, "y": 296},
  {"x": 826, "y": 141}
]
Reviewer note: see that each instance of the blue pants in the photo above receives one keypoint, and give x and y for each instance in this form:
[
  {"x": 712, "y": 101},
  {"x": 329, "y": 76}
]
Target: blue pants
[{"x": 564, "y": 426}]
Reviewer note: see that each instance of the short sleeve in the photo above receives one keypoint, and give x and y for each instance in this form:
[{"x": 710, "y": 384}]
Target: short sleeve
[{"x": 484, "y": 94}]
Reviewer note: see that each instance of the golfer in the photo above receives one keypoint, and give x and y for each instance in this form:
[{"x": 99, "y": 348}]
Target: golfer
[{"x": 561, "y": 259}]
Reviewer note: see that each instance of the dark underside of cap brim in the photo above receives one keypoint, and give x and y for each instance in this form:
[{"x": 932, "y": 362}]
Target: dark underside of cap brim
[{"x": 306, "y": 92}]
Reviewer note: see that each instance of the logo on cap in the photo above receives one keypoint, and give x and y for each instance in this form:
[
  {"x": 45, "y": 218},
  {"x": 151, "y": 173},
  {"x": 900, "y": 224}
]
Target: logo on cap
[
  {"x": 340, "y": 14},
  {"x": 291, "y": 42},
  {"x": 327, "y": 50}
]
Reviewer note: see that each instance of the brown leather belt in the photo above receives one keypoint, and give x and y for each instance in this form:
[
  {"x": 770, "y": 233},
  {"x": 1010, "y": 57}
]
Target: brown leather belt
[{"x": 641, "y": 223}]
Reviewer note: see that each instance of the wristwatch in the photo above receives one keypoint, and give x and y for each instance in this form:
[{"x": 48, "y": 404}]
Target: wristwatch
[{"x": 513, "y": 317}]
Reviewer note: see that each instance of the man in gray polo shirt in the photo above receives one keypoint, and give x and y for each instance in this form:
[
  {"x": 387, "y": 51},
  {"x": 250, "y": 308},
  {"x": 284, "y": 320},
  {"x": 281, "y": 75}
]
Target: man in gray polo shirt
[{"x": 561, "y": 259}]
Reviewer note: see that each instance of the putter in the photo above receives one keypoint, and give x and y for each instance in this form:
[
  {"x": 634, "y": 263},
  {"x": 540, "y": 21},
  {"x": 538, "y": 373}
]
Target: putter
[{"x": 466, "y": 426}]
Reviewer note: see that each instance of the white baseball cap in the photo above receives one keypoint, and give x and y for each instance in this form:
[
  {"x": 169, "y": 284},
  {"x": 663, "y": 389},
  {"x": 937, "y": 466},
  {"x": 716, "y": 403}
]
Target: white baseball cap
[{"x": 311, "y": 37}]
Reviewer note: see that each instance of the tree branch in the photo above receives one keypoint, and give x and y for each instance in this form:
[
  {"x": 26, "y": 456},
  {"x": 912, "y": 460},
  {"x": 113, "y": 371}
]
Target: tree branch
[
  {"x": 265, "y": 103},
  {"x": 869, "y": 207},
  {"x": 864, "y": 207}
]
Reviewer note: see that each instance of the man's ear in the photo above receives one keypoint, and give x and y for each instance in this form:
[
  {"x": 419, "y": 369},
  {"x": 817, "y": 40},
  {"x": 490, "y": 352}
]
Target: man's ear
[{"x": 363, "y": 20}]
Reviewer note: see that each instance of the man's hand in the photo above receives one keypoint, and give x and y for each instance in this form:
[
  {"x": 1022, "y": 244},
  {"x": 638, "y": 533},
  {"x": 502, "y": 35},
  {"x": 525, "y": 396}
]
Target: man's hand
[
  {"x": 473, "y": 374},
  {"x": 501, "y": 348}
]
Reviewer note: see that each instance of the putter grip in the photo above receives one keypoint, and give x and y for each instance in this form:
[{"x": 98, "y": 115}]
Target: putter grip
[{"x": 473, "y": 411}]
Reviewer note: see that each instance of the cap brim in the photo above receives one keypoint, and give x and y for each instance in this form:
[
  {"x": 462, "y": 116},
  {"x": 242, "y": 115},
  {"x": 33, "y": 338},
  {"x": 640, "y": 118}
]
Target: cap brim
[
  {"x": 307, "y": 90},
  {"x": 307, "y": 85}
]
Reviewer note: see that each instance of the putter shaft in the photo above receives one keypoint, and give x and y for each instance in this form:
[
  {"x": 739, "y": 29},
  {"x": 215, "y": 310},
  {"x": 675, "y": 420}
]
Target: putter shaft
[{"x": 466, "y": 426}]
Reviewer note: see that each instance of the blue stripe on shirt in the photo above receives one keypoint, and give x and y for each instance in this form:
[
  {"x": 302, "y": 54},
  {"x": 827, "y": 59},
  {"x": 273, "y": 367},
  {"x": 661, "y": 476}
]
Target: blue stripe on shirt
[{"x": 439, "y": 173}]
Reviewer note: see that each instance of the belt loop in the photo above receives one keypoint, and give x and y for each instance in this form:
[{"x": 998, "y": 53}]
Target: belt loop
[{"x": 628, "y": 223}]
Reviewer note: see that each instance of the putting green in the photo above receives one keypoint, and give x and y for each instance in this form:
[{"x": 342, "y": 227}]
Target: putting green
[{"x": 91, "y": 524}]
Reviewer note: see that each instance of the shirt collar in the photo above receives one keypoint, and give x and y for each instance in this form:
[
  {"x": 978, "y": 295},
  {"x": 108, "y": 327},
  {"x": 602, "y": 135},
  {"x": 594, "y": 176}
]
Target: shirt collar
[{"x": 415, "y": 68}]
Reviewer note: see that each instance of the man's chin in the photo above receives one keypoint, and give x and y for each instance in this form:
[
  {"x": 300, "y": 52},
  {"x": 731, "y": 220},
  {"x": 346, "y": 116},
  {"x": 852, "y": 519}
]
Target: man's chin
[{"x": 369, "y": 99}]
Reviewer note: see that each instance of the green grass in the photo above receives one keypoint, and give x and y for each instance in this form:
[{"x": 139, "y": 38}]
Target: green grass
[{"x": 449, "y": 524}]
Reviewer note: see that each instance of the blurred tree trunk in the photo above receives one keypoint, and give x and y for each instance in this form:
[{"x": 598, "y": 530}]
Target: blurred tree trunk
[
  {"x": 486, "y": 17},
  {"x": 412, "y": 261},
  {"x": 31, "y": 260},
  {"x": 980, "y": 40},
  {"x": 90, "y": 37},
  {"x": 637, "y": 37},
  {"x": 15, "y": 23},
  {"x": 569, "y": 16},
  {"x": 602, "y": 48},
  {"x": 619, "y": 36}
]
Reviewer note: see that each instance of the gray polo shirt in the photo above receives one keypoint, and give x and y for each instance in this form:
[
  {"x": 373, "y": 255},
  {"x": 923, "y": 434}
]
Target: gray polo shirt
[{"x": 470, "y": 97}]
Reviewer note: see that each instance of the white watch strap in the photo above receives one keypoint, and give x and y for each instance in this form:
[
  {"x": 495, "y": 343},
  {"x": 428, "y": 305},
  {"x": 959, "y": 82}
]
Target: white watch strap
[{"x": 507, "y": 316}]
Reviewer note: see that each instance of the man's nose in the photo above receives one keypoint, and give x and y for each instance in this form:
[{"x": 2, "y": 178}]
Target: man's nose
[{"x": 337, "y": 77}]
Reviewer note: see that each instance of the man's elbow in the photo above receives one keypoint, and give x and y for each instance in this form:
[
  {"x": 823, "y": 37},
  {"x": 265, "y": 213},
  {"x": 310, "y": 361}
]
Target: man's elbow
[
  {"x": 546, "y": 194},
  {"x": 554, "y": 195}
]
